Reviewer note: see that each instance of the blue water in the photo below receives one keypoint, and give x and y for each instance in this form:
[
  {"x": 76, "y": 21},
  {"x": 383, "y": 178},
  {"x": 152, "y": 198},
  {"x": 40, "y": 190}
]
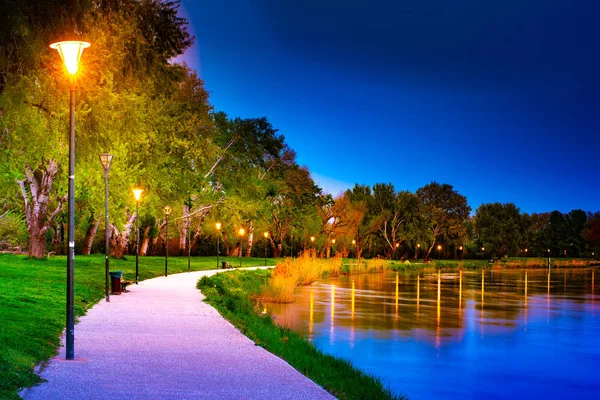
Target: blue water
[{"x": 449, "y": 339}]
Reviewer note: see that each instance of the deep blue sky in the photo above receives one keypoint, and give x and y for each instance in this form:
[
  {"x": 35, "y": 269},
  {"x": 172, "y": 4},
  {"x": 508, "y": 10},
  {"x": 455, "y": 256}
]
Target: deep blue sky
[{"x": 500, "y": 98}]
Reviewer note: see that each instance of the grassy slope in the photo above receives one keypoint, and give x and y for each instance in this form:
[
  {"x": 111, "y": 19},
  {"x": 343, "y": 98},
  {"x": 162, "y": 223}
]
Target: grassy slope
[
  {"x": 231, "y": 294},
  {"x": 32, "y": 304}
]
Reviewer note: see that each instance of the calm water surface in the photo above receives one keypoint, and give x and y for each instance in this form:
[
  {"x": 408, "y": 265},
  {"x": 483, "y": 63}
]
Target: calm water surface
[{"x": 496, "y": 334}]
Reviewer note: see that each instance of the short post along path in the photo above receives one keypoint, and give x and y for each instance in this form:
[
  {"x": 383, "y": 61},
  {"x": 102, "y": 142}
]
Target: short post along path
[{"x": 161, "y": 341}]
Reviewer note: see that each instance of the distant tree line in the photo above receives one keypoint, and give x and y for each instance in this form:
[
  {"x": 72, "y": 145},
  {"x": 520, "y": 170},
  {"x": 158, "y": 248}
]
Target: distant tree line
[{"x": 155, "y": 117}]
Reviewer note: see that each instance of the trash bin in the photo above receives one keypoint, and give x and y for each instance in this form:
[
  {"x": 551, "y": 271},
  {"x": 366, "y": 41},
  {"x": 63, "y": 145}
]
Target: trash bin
[
  {"x": 115, "y": 280},
  {"x": 224, "y": 264}
]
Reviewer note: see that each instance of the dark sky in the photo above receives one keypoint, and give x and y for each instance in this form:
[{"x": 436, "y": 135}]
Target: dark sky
[{"x": 499, "y": 98}]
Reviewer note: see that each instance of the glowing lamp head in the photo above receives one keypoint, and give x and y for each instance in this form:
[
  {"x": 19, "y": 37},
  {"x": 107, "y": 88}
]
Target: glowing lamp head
[
  {"x": 333, "y": 241},
  {"x": 312, "y": 238},
  {"x": 439, "y": 247},
  {"x": 167, "y": 210},
  {"x": 106, "y": 159},
  {"x": 397, "y": 245},
  {"x": 218, "y": 226},
  {"x": 266, "y": 234},
  {"x": 526, "y": 250},
  {"x": 137, "y": 193},
  {"x": 418, "y": 244},
  {"x": 242, "y": 232},
  {"x": 353, "y": 242},
  {"x": 70, "y": 53},
  {"x": 483, "y": 249},
  {"x": 460, "y": 248}
]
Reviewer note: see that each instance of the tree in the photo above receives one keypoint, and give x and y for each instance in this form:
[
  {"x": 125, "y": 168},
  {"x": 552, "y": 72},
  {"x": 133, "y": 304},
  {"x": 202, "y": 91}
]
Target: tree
[
  {"x": 499, "y": 228},
  {"x": 591, "y": 233},
  {"x": 444, "y": 209}
]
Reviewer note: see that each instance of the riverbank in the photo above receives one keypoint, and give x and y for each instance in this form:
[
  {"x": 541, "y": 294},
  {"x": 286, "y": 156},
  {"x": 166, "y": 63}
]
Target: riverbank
[
  {"x": 232, "y": 295},
  {"x": 32, "y": 294}
]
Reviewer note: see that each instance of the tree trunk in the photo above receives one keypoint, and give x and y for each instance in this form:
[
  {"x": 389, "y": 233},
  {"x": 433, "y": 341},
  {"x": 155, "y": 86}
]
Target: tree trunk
[
  {"x": 226, "y": 243},
  {"x": 248, "y": 250},
  {"x": 183, "y": 229},
  {"x": 120, "y": 240},
  {"x": 145, "y": 241},
  {"x": 57, "y": 238},
  {"x": 90, "y": 235},
  {"x": 276, "y": 248},
  {"x": 35, "y": 190}
]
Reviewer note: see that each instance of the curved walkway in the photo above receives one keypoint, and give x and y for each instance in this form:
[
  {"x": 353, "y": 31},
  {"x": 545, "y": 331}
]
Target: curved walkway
[{"x": 161, "y": 341}]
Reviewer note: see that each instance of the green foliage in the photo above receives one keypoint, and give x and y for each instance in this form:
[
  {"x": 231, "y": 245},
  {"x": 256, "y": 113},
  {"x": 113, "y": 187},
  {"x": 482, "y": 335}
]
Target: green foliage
[
  {"x": 13, "y": 231},
  {"x": 231, "y": 294},
  {"x": 499, "y": 228}
]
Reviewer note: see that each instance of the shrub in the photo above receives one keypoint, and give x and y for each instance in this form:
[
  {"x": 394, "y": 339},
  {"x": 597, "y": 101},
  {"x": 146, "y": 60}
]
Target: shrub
[{"x": 13, "y": 231}]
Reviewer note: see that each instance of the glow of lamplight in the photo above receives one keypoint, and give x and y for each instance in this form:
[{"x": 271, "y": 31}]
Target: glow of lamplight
[
  {"x": 332, "y": 303},
  {"x": 353, "y": 293},
  {"x": 439, "y": 297},
  {"x": 482, "y": 289},
  {"x": 396, "y": 295},
  {"x": 460, "y": 291},
  {"x": 310, "y": 314},
  {"x": 418, "y": 292}
]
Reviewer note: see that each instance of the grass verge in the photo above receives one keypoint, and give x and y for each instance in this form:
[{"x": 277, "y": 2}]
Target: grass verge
[
  {"x": 232, "y": 295},
  {"x": 32, "y": 304}
]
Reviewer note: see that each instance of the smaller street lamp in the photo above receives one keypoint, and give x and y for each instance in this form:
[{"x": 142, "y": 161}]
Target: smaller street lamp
[
  {"x": 241, "y": 232},
  {"x": 439, "y": 249},
  {"x": 266, "y": 235},
  {"x": 218, "y": 227},
  {"x": 137, "y": 193},
  {"x": 167, "y": 211},
  {"x": 106, "y": 159}
]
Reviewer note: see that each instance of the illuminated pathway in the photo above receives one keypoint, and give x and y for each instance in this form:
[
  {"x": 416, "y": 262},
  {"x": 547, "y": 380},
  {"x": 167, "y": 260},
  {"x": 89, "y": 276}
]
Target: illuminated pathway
[{"x": 161, "y": 341}]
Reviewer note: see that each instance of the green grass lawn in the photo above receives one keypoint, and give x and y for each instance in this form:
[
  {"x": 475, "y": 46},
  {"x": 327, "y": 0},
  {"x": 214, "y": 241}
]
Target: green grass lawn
[{"x": 32, "y": 304}]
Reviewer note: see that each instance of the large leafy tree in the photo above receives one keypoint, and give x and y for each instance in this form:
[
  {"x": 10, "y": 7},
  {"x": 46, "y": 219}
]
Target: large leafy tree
[
  {"x": 499, "y": 227},
  {"x": 445, "y": 210}
]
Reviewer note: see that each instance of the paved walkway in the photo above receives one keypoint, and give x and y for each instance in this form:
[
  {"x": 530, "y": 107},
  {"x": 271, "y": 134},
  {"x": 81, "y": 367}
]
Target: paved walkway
[{"x": 161, "y": 341}]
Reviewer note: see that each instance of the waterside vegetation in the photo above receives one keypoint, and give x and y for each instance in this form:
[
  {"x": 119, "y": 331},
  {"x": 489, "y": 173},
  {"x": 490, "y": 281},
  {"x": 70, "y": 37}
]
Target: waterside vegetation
[{"x": 233, "y": 295}]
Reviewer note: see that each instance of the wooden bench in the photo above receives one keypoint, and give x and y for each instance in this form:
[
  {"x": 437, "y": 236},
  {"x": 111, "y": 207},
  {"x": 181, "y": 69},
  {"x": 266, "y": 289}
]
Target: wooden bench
[
  {"x": 124, "y": 285},
  {"x": 225, "y": 265}
]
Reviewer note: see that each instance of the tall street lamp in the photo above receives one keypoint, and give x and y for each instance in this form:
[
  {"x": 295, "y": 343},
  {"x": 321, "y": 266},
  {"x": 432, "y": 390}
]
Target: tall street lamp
[
  {"x": 137, "y": 193},
  {"x": 218, "y": 227},
  {"x": 241, "y": 232},
  {"x": 167, "y": 211},
  {"x": 266, "y": 235},
  {"x": 70, "y": 53},
  {"x": 189, "y": 246},
  {"x": 106, "y": 159}
]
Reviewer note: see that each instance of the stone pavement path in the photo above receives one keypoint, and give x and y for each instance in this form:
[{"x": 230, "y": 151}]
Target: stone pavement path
[{"x": 161, "y": 341}]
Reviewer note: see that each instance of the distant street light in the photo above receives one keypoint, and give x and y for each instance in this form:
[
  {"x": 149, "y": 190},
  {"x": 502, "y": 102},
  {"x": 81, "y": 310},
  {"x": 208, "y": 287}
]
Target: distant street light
[
  {"x": 70, "y": 53},
  {"x": 266, "y": 235},
  {"x": 439, "y": 249},
  {"x": 241, "y": 232},
  {"x": 106, "y": 159},
  {"x": 218, "y": 227},
  {"x": 167, "y": 211},
  {"x": 137, "y": 193}
]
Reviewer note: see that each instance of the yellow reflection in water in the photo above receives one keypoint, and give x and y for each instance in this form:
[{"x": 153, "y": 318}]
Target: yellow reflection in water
[
  {"x": 482, "y": 289},
  {"x": 525, "y": 300},
  {"x": 418, "y": 292},
  {"x": 459, "y": 292},
  {"x": 592, "y": 281},
  {"x": 396, "y": 295},
  {"x": 439, "y": 297},
  {"x": 548, "y": 301},
  {"x": 353, "y": 292},
  {"x": 311, "y": 313},
  {"x": 332, "y": 303}
]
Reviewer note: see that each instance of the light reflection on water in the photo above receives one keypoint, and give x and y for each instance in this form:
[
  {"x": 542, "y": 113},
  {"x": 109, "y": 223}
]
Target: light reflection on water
[{"x": 461, "y": 335}]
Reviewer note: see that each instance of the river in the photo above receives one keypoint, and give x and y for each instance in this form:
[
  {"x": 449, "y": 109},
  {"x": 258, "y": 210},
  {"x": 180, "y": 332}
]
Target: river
[{"x": 493, "y": 334}]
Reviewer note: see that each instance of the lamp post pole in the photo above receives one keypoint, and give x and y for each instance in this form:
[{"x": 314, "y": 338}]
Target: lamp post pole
[
  {"x": 106, "y": 159},
  {"x": 189, "y": 247},
  {"x": 266, "y": 234},
  {"x": 167, "y": 211},
  {"x": 70, "y": 53},
  {"x": 242, "y": 231},
  {"x": 218, "y": 227},
  {"x": 137, "y": 193}
]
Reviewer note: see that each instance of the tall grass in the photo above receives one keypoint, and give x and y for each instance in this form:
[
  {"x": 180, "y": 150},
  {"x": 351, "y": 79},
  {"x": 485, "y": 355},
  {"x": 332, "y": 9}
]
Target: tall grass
[{"x": 306, "y": 269}]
